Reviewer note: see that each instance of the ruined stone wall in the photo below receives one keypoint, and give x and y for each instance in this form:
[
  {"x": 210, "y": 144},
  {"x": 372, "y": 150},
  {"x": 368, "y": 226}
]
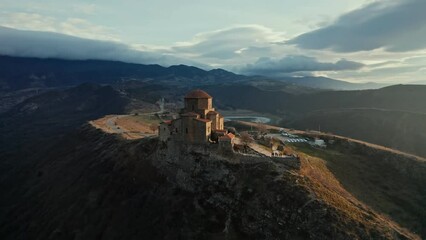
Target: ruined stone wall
[
  {"x": 163, "y": 132},
  {"x": 176, "y": 128}
]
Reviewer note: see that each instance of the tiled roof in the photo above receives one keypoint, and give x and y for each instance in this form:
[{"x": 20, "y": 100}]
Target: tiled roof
[
  {"x": 197, "y": 94},
  {"x": 203, "y": 120},
  {"x": 227, "y": 137},
  {"x": 212, "y": 112},
  {"x": 168, "y": 122},
  {"x": 220, "y": 130},
  {"x": 189, "y": 114},
  {"x": 224, "y": 138}
]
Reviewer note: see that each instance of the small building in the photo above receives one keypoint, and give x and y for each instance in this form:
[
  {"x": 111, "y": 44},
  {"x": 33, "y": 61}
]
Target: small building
[
  {"x": 226, "y": 141},
  {"x": 276, "y": 153},
  {"x": 196, "y": 121},
  {"x": 319, "y": 143}
]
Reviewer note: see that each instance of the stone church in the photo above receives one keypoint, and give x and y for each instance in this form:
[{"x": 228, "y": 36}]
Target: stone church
[{"x": 197, "y": 121}]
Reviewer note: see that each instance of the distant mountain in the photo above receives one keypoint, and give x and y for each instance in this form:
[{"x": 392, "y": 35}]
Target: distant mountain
[
  {"x": 329, "y": 83},
  {"x": 408, "y": 98},
  {"x": 19, "y": 73},
  {"x": 393, "y": 116},
  {"x": 56, "y": 112}
]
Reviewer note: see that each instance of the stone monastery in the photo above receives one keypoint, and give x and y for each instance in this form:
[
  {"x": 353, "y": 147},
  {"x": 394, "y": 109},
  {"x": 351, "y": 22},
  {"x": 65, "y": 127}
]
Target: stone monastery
[{"x": 198, "y": 122}]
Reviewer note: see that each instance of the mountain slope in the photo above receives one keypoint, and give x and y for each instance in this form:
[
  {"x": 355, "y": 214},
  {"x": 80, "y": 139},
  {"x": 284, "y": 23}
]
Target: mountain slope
[
  {"x": 393, "y": 116},
  {"x": 18, "y": 73},
  {"x": 389, "y": 182},
  {"x": 394, "y": 129},
  {"x": 328, "y": 83},
  {"x": 409, "y": 98},
  {"x": 114, "y": 188},
  {"x": 31, "y": 127},
  {"x": 82, "y": 183}
]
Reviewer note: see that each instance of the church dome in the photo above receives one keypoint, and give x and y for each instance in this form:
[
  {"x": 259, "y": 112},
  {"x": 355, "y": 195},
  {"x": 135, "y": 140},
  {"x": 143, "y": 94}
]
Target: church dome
[{"x": 197, "y": 94}]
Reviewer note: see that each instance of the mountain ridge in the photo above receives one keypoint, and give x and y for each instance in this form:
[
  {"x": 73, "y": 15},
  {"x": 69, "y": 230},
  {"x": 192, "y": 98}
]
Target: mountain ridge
[
  {"x": 329, "y": 83},
  {"x": 52, "y": 72}
]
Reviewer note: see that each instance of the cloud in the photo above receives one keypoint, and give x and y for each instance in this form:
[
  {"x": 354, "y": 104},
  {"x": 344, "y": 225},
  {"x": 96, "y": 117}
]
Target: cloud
[
  {"x": 296, "y": 64},
  {"x": 85, "y": 8},
  {"x": 229, "y": 42},
  {"x": 396, "y": 71},
  {"x": 71, "y": 26},
  {"x": 22, "y": 43},
  {"x": 396, "y": 26}
]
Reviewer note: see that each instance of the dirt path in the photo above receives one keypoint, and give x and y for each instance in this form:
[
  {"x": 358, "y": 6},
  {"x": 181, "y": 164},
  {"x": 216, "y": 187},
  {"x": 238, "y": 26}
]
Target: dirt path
[
  {"x": 111, "y": 123},
  {"x": 128, "y": 126}
]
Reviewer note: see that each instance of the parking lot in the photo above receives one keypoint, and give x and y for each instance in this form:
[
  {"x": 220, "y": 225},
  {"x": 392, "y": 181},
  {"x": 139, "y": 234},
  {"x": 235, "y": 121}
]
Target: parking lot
[{"x": 287, "y": 138}]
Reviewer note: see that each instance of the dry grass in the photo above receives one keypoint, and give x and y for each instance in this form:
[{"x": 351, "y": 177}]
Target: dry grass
[
  {"x": 133, "y": 126},
  {"x": 137, "y": 123},
  {"x": 316, "y": 134},
  {"x": 326, "y": 186},
  {"x": 101, "y": 123}
]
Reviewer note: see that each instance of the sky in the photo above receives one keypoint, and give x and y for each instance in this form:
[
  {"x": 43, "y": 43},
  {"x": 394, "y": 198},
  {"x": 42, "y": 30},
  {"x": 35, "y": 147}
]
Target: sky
[{"x": 357, "y": 41}]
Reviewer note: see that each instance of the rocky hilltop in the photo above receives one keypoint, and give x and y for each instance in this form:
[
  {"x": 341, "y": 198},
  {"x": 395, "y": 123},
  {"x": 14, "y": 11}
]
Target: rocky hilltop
[
  {"x": 93, "y": 185},
  {"x": 64, "y": 180}
]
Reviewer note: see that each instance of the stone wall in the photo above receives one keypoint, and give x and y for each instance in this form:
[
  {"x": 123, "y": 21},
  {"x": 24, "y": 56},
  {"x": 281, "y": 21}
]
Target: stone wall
[{"x": 163, "y": 132}]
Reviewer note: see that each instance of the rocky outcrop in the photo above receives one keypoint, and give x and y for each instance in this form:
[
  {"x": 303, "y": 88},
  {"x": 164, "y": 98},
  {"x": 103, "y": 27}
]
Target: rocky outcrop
[
  {"x": 257, "y": 198},
  {"x": 94, "y": 185}
]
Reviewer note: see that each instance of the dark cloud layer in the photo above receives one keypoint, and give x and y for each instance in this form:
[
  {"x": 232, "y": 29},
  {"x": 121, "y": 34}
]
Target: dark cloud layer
[
  {"x": 293, "y": 64},
  {"x": 22, "y": 43},
  {"x": 394, "y": 25}
]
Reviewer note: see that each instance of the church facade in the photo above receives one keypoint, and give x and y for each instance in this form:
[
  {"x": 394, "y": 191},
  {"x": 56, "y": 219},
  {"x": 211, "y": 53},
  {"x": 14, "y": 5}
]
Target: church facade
[{"x": 197, "y": 121}]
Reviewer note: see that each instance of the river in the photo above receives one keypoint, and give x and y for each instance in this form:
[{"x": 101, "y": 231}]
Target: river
[{"x": 255, "y": 119}]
